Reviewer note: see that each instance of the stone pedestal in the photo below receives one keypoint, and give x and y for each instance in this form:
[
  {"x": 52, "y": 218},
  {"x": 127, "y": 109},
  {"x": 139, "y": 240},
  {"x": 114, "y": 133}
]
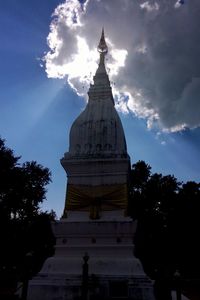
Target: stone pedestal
[{"x": 114, "y": 272}]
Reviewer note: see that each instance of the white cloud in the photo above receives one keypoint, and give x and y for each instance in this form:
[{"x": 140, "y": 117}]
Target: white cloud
[
  {"x": 152, "y": 60},
  {"x": 149, "y": 6},
  {"x": 177, "y": 4}
]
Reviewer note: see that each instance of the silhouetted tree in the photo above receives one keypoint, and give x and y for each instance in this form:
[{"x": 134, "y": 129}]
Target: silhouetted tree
[
  {"x": 25, "y": 231},
  {"x": 188, "y": 228},
  {"x": 168, "y": 226}
]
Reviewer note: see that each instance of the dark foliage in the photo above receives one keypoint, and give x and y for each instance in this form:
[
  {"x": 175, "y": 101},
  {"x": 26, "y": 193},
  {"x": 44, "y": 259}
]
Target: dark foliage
[
  {"x": 168, "y": 226},
  {"x": 26, "y": 235}
]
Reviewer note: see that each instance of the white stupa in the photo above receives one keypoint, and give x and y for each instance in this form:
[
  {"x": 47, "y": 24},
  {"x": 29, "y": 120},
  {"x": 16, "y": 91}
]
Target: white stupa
[{"x": 94, "y": 225}]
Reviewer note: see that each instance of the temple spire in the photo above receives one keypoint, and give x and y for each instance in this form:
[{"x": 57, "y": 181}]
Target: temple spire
[
  {"x": 103, "y": 50},
  {"x": 102, "y": 47},
  {"x": 101, "y": 88}
]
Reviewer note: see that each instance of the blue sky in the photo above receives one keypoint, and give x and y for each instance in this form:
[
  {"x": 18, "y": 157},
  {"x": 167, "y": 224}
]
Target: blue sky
[{"x": 37, "y": 111}]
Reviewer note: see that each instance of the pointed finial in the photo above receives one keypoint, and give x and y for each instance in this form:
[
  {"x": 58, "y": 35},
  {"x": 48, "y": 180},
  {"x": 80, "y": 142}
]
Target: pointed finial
[{"x": 102, "y": 47}]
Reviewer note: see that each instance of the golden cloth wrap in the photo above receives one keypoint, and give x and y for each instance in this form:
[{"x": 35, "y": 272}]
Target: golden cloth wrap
[{"x": 96, "y": 198}]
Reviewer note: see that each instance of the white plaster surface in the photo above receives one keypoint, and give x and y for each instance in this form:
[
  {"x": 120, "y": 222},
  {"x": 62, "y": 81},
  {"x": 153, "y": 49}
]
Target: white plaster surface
[
  {"x": 109, "y": 244},
  {"x": 83, "y": 216},
  {"x": 97, "y": 147}
]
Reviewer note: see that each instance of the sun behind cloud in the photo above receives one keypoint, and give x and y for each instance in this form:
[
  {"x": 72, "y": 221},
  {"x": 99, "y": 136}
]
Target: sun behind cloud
[{"x": 152, "y": 61}]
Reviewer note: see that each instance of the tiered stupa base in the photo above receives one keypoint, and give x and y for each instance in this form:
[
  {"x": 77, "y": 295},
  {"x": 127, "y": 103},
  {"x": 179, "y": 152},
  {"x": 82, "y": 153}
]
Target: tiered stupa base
[{"x": 113, "y": 271}]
